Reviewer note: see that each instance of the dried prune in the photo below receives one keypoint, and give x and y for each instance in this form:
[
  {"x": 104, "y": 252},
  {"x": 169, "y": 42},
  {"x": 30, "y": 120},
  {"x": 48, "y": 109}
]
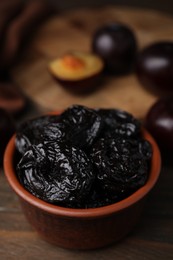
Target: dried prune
[
  {"x": 122, "y": 165},
  {"x": 98, "y": 197},
  {"x": 57, "y": 173},
  {"x": 77, "y": 125},
  {"x": 84, "y": 158},
  {"x": 118, "y": 122},
  {"x": 36, "y": 130},
  {"x": 82, "y": 125}
]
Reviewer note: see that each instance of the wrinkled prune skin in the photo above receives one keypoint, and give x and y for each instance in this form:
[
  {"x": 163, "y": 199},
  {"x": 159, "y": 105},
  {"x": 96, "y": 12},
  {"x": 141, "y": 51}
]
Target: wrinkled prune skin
[
  {"x": 98, "y": 197},
  {"x": 118, "y": 122},
  {"x": 57, "y": 173},
  {"x": 78, "y": 125},
  {"x": 84, "y": 158},
  {"x": 122, "y": 165},
  {"x": 82, "y": 125},
  {"x": 36, "y": 130}
]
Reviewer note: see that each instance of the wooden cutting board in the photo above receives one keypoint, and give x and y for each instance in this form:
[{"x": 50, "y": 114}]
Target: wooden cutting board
[{"x": 73, "y": 31}]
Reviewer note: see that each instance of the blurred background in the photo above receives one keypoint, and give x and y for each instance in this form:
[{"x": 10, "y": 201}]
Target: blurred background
[{"x": 166, "y": 6}]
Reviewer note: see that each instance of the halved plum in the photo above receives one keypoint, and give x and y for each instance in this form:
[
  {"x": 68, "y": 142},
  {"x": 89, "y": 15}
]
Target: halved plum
[{"x": 78, "y": 71}]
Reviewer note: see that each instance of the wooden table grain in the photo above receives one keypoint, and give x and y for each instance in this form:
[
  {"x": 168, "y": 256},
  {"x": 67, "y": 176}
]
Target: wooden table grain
[{"x": 152, "y": 238}]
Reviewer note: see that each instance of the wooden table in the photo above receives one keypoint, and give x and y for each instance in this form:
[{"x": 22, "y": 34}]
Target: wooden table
[{"x": 152, "y": 237}]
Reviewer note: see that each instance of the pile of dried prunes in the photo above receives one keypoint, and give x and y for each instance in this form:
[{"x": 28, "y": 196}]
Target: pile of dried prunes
[{"x": 83, "y": 158}]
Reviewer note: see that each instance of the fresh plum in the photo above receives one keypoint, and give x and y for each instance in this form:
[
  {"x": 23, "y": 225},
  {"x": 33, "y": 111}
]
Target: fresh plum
[
  {"x": 155, "y": 67},
  {"x": 159, "y": 122},
  {"x": 117, "y": 45}
]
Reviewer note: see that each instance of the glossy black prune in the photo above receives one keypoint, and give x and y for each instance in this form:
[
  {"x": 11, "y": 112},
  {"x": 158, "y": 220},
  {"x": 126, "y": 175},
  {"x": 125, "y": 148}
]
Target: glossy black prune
[
  {"x": 122, "y": 165},
  {"x": 57, "y": 173},
  {"x": 98, "y": 197},
  {"x": 82, "y": 125},
  {"x": 36, "y": 130},
  {"x": 84, "y": 158},
  {"x": 119, "y": 122},
  {"x": 77, "y": 125}
]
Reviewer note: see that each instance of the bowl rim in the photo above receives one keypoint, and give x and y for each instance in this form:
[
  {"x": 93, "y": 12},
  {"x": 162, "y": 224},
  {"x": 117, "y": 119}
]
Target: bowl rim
[{"x": 89, "y": 212}]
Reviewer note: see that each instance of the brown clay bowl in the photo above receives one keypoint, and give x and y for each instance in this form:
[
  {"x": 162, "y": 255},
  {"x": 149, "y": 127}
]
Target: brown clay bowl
[{"x": 82, "y": 228}]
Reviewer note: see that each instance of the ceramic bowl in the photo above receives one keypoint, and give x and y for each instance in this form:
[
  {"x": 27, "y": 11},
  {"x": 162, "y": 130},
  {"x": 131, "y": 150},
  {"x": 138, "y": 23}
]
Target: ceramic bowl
[{"x": 82, "y": 228}]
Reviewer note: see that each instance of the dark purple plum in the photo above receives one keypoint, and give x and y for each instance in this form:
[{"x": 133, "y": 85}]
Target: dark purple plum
[
  {"x": 155, "y": 67},
  {"x": 159, "y": 122},
  {"x": 117, "y": 46}
]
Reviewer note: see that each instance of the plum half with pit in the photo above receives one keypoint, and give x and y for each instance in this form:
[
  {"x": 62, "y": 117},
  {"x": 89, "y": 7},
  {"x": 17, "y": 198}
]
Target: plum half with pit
[
  {"x": 116, "y": 44},
  {"x": 78, "y": 71},
  {"x": 159, "y": 122},
  {"x": 155, "y": 67}
]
